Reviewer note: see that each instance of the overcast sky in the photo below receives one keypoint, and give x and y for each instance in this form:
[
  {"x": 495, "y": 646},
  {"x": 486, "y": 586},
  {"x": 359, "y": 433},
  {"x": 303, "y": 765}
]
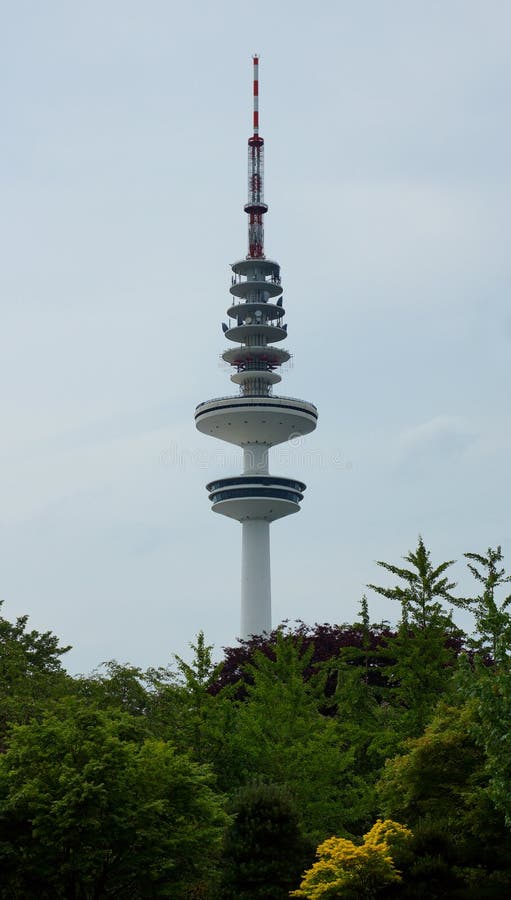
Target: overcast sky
[{"x": 123, "y": 169}]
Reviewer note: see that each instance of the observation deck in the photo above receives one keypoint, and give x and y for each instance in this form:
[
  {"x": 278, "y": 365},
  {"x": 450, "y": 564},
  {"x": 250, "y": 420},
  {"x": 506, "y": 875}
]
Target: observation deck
[
  {"x": 268, "y": 420},
  {"x": 259, "y": 497}
]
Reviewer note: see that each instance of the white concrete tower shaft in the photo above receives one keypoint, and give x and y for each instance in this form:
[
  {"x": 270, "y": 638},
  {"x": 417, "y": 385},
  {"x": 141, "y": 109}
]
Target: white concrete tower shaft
[
  {"x": 255, "y": 555},
  {"x": 255, "y": 419},
  {"x": 255, "y": 577}
]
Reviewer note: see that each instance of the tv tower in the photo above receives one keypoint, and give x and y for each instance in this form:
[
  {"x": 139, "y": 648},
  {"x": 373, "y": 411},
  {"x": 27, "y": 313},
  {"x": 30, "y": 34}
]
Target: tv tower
[{"x": 256, "y": 418}]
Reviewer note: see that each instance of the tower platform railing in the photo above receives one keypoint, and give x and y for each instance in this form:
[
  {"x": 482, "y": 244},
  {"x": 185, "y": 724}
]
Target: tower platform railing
[{"x": 254, "y": 396}]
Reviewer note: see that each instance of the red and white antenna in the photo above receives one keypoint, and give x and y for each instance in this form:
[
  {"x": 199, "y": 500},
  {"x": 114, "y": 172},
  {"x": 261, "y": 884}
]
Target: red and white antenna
[
  {"x": 256, "y": 207},
  {"x": 256, "y": 95}
]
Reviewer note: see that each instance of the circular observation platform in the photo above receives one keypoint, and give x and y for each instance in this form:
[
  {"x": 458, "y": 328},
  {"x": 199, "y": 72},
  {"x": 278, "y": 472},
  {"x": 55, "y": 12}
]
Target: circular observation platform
[
  {"x": 256, "y": 420},
  {"x": 250, "y": 267},
  {"x": 240, "y": 333},
  {"x": 245, "y": 288},
  {"x": 241, "y": 311},
  {"x": 263, "y": 497}
]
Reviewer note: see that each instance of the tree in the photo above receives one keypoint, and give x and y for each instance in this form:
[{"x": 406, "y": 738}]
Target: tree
[
  {"x": 346, "y": 871},
  {"x": 181, "y": 707},
  {"x": 206, "y": 717},
  {"x": 265, "y": 850},
  {"x": 429, "y": 780},
  {"x": 41, "y": 650},
  {"x": 490, "y": 689},
  {"x": 362, "y": 702},
  {"x": 31, "y": 671},
  {"x": 121, "y": 687},
  {"x": 425, "y": 644},
  {"x": 440, "y": 788},
  {"x": 325, "y": 641},
  {"x": 493, "y": 621},
  {"x": 423, "y": 585},
  {"x": 91, "y": 808},
  {"x": 282, "y": 736}
]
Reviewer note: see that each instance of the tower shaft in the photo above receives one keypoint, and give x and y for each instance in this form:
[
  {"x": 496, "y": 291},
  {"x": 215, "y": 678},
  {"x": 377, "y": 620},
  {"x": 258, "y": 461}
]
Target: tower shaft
[{"x": 255, "y": 577}]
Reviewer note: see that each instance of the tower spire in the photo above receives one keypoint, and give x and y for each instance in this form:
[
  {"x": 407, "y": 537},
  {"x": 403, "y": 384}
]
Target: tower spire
[
  {"x": 256, "y": 207},
  {"x": 255, "y": 419},
  {"x": 256, "y": 95}
]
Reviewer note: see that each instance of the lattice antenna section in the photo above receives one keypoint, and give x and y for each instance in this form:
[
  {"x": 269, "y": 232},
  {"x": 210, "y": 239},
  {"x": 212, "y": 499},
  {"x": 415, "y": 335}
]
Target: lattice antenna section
[{"x": 256, "y": 207}]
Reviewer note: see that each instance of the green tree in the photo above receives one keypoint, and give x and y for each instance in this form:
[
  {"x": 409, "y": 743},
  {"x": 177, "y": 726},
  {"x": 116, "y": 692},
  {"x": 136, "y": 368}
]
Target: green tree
[
  {"x": 282, "y": 736},
  {"x": 265, "y": 851},
  {"x": 91, "y": 808},
  {"x": 366, "y": 717},
  {"x": 420, "y": 650},
  {"x": 41, "y": 650},
  {"x": 492, "y": 620},
  {"x": 31, "y": 671},
  {"x": 491, "y": 692},
  {"x": 423, "y": 585},
  {"x": 121, "y": 687},
  {"x": 177, "y": 703},
  {"x": 206, "y": 716},
  {"x": 183, "y": 706},
  {"x": 430, "y": 780},
  {"x": 440, "y": 788}
]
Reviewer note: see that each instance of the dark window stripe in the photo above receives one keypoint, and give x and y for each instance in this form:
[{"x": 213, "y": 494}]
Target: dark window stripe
[
  {"x": 236, "y": 494},
  {"x": 253, "y": 405},
  {"x": 262, "y": 480}
]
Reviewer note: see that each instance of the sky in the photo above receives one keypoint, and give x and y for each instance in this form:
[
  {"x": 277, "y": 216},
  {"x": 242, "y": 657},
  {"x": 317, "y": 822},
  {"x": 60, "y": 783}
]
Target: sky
[{"x": 123, "y": 179}]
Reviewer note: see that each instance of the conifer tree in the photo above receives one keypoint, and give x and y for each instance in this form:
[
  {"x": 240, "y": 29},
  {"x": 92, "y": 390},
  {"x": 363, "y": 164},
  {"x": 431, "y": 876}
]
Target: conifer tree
[
  {"x": 492, "y": 620},
  {"x": 421, "y": 650},
  {"x": 282, "y": 735}
]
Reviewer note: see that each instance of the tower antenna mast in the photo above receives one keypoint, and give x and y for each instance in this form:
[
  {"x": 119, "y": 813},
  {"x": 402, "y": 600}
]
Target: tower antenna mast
[{"x": 255, "y": 206}]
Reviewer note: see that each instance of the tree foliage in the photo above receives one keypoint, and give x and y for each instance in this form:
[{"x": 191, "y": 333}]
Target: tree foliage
[
  {"x": 325, "y": 643},
  {"x": 347, "y": 871},
  {"x": 115, "y": 784},
  {"x": 89, "y": 807},
  {"x": 424, "y": 647},
  {"x": 265, "y": 850},
  {"x": 31, "y": 671},
  {"x": 490, "y": 690},
  {"x": 492, "y": 619},
  {"x": 441, "y": 787},
  {"x": 282, "y": 735}
]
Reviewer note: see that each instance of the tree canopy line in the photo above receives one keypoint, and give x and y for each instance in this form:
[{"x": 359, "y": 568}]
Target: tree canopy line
[{"x": 321, "y": 762}]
